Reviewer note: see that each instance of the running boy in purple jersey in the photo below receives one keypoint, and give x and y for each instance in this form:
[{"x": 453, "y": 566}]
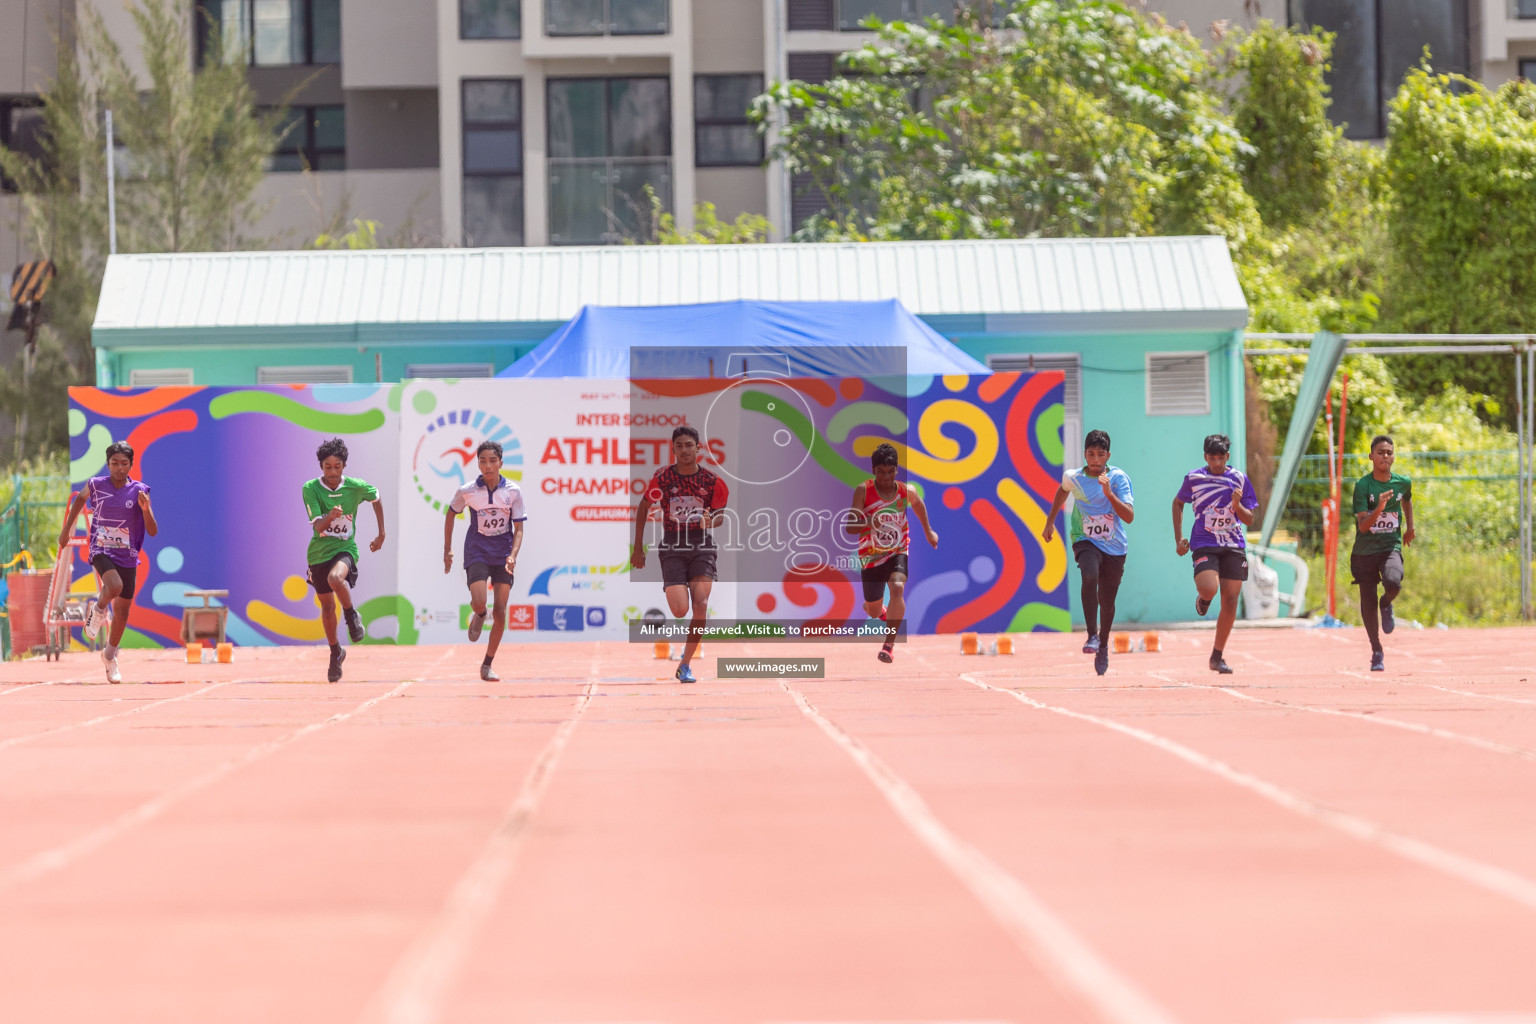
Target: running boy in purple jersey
[
  {"x": 496, "y": 516},
  {"x": 1224, "y": 503},
  {"x": 121, "y": 516}
]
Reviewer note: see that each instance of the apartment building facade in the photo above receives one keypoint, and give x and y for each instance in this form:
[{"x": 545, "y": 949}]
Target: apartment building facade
[{"x": 541, "y": 122}]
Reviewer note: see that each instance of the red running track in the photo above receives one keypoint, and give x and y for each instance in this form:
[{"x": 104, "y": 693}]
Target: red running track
[{"x": 959, "y": 839}]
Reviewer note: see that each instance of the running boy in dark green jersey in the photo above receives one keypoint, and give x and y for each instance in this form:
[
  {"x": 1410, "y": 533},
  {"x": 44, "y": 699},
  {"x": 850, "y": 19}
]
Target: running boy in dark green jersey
[
  {"x": 332, "y": 501},
  {"x": 1383, "y": 508}
]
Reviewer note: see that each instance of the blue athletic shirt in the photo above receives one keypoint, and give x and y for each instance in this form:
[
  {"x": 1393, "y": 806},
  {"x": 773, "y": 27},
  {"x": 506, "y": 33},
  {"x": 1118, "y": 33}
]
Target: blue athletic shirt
[
  {"x": 1093, "y": 517},
  {"x": 491, "y": 515},
  {"x": 1216, "y": 525}
]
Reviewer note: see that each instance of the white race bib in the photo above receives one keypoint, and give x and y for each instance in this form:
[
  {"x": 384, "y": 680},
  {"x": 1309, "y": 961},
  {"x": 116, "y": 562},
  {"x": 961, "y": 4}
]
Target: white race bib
[
  {"x": 1387, "y": 522},
  {"x": 687, "y": 510},
  {"x": 493, "y": 521},
  {"x": 1100, "y": 527},
  {"x": 1220, "y": 519},
  {"x": 886, "y": 534},
  {"x": 341, "y": 527},
  {"x": 111, "y": 537}
]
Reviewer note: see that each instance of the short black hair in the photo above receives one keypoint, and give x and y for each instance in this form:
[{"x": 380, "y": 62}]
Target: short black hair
[
  {"x": 488, "y": 446},
  {"x": 120, "y": 448},
  {"x": 686, "y": 431},
  {"x": 1217, "y": 444},
  {"x": 335, "y": 446},
  {"x": 1096, "y": 439},
  {"x": 1374, "y": 441},
  {"x": 885, "y": 454}
]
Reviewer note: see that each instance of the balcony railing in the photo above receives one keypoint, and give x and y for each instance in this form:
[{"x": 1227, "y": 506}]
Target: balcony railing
[
  {"x": 607, "y": 17},
  {"x": 602, "y": 200}
]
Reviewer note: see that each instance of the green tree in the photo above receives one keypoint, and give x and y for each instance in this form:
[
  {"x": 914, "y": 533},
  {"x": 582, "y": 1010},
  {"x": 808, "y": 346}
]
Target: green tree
[
  {"x": 1086, "y": 119},
  {"x": 708, "y": 228},
  {"x": 190, "y": 152}
]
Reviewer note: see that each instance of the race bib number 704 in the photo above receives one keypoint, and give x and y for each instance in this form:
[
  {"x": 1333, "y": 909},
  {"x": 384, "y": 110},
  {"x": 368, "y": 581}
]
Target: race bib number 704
[{"x": 1099, "y": 527}]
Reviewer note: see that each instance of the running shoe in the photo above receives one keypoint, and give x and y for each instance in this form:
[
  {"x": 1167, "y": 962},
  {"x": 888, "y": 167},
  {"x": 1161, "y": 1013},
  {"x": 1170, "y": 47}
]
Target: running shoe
[
  {"x": 334, "y": 672},
  {"x": 489, "y": 674},
  {"x": 1201, "y": 607},
  {"x": 1101, "y": 660},
  {"x": 1388, "y": 620},
  {"x": 1219, "y": 665},
  {"x": 95, "y": 618},
  {"x": 113, "y": 675},
  {"x": 354, "y": 625},
  {"x": 1378, "y": 661},
  {"x": 476, "y": 623},
  {"x": 886, "y": 654},
  {"x": 1091, "y": 646},
  {"x": 684, "y": 674}
]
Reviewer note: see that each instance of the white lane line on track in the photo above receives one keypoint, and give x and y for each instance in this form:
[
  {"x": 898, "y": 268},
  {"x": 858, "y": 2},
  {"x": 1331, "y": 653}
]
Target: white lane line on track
[
  {"x": 1443, "y": 689},
  {"x": 1045, "y": 939},
  {"x": 12, "y": 741},
  {"x": 1382, "y": 720},
  {"x": 67, "y": 853},
  {"x": 1466, "y": 869},
  {"x": 414, "y": 991},
  {"x": 26, "y": 686}
]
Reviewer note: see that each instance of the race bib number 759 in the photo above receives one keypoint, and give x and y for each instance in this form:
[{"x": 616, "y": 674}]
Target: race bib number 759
[{"x": 1220, "y": 520}]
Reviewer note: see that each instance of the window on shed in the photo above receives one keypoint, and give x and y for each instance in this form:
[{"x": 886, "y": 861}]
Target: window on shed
[
  {"x": 1178, "y": 384},
  {"x": 304, "y": 375},
  {"x": 159, "y": 378},
  {"x": 1070, "y": 364},
  {"x": 450, "y": 371}
]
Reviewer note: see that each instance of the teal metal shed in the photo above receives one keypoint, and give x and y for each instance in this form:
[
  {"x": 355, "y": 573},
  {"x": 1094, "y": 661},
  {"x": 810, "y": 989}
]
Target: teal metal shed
[{"x": 1147, "y": 330}]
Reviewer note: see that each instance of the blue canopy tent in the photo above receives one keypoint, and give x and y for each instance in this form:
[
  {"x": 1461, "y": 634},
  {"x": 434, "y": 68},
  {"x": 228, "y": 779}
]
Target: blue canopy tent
[{"x": 796, "y": 339}]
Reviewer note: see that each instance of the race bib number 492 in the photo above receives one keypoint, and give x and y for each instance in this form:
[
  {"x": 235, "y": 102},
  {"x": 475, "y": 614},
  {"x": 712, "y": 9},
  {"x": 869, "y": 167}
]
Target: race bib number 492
[{"x": 492, "y": 522}]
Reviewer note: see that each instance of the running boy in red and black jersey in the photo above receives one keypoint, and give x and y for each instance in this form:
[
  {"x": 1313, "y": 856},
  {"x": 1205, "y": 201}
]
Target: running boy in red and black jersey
[
  {"x": 121, "y": 516},
  {"x": 879, "y": 520},
  {"x": 495, "y": 536},
  {"x": 691, "y": 499}
]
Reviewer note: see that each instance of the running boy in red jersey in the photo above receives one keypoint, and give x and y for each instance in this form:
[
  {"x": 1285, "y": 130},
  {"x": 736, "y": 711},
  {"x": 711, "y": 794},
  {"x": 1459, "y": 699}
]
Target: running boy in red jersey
[
  {"x": 691, "y": 499},
  {"x": 121, "y": 517},
  {"x": 879, "y": 519}
]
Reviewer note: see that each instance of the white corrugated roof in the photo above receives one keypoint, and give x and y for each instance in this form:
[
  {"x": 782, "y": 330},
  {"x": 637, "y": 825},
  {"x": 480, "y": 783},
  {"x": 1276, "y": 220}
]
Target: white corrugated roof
[{"x": 1129, "y": 279}]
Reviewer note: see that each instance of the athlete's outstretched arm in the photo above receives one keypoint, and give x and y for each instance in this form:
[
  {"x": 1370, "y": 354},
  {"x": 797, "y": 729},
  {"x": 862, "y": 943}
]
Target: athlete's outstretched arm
[
  {"x": 1408, "y": 534},
  {"x": 856, "y": 524},
  {"x": 1049, "y": 533},
  {"x": 1180, "y": 543},
  {"x": 1126, "y": 512},
  {"x": 637, "y": 552},
  {"x": 378, "y": 510},
  {"x": 151, "y": 526},
  {"x": 448, "y": 519},
  {"x": 921, "y": 511},
  {"x": 517, "y": 545},
  {"x": 75, "y": 507},
  {"x": 1243, "y": 513}
]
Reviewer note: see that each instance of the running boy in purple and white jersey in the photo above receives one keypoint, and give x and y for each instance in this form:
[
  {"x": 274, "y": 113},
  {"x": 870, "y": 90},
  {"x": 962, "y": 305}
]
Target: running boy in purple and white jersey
[
  {"x": 1224, "y": 505},
  {"x": 121, "y": 516},
  {"x": 496, "y": 516}
]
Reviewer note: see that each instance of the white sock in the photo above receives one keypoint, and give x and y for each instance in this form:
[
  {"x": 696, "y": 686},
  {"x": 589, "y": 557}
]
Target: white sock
[{"x": 111, "y": 650}]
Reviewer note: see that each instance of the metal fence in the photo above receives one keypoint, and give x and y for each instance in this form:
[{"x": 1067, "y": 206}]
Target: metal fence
[{"x": 29, "y": 527}]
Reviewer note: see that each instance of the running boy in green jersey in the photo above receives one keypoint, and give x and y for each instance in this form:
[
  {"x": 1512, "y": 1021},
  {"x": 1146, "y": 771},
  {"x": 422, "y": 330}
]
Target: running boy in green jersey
[
  {"x": 1383, "y": 508},
  {"x": 1103, "y": 505},
  {"x": 332, "y": 501}
]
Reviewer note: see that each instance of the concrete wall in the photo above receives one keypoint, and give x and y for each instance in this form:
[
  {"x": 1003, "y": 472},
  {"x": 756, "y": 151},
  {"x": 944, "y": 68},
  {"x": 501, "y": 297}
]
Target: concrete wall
[
  {"x": 388, "y": 44},
  {"x": 392, "y": 129},
  {"x": 406, "y": 203}
]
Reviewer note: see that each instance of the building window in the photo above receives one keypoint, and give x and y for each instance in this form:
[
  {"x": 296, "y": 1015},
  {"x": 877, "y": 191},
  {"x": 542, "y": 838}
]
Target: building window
[
  {"x": 159, "y": 378},
  {"x": 608, "y": 139},
  {"x": 1524, "y": 9},
  {"x": 606, "y": 17},
  {"x": 490, "y": 19},
  {"x": 304, "y": 375},
  {"x": 1178, "y": 384},
  {"x": 493, "y": 161},
  {"x": 449, "y": 371},
  {"x": 722, "y": 135},
  {"x": 1377, "y": 42},
  {"x": 1071, "y": 366},
  {"x": 21, "y": 130},
  {"x": 1528, "y": 68},
  {"x": 849, "y": 15},
  {"x": 272, "y": 33},
  {"x": 310, "y": 139}
]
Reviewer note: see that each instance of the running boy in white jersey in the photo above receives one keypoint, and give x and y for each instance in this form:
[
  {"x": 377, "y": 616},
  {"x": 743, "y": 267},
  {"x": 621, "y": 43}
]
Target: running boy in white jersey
[
  {"x": 1103, "y": 504},
  {"x": 332, "y": 501},
  {"x": 879, "y": 519},
  {"x": 691, "y": 500},
  {"x": 1383, "y": 507},
  {"x": 495, "y": 536},
  {"x": 121, "y": 516},
  {"x": 1224, "y": 503}
]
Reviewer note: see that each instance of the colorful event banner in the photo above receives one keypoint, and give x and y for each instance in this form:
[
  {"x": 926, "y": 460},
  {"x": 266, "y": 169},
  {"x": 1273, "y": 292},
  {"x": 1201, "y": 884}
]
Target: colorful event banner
[{"x": 226, "y": 465}]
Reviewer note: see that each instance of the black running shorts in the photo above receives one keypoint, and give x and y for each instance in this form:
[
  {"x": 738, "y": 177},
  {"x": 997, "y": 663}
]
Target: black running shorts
[
  {"x": 320, "y": 573},
  {"x": 477, "y": 571},
  {"x": 1228, "y": 563},
  {"x": 875, "y": 577},
  {"x": 128, "y": 574}
]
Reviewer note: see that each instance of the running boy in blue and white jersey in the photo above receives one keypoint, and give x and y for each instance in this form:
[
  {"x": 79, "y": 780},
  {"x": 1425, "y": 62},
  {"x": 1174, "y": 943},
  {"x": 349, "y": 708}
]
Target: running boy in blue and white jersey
[
  {"x": 121, "y": 517},
  {"x": 495, "y": 536},
  {"x": 1224, "y": 507},
  {"x": 1102, "y": 505}
]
